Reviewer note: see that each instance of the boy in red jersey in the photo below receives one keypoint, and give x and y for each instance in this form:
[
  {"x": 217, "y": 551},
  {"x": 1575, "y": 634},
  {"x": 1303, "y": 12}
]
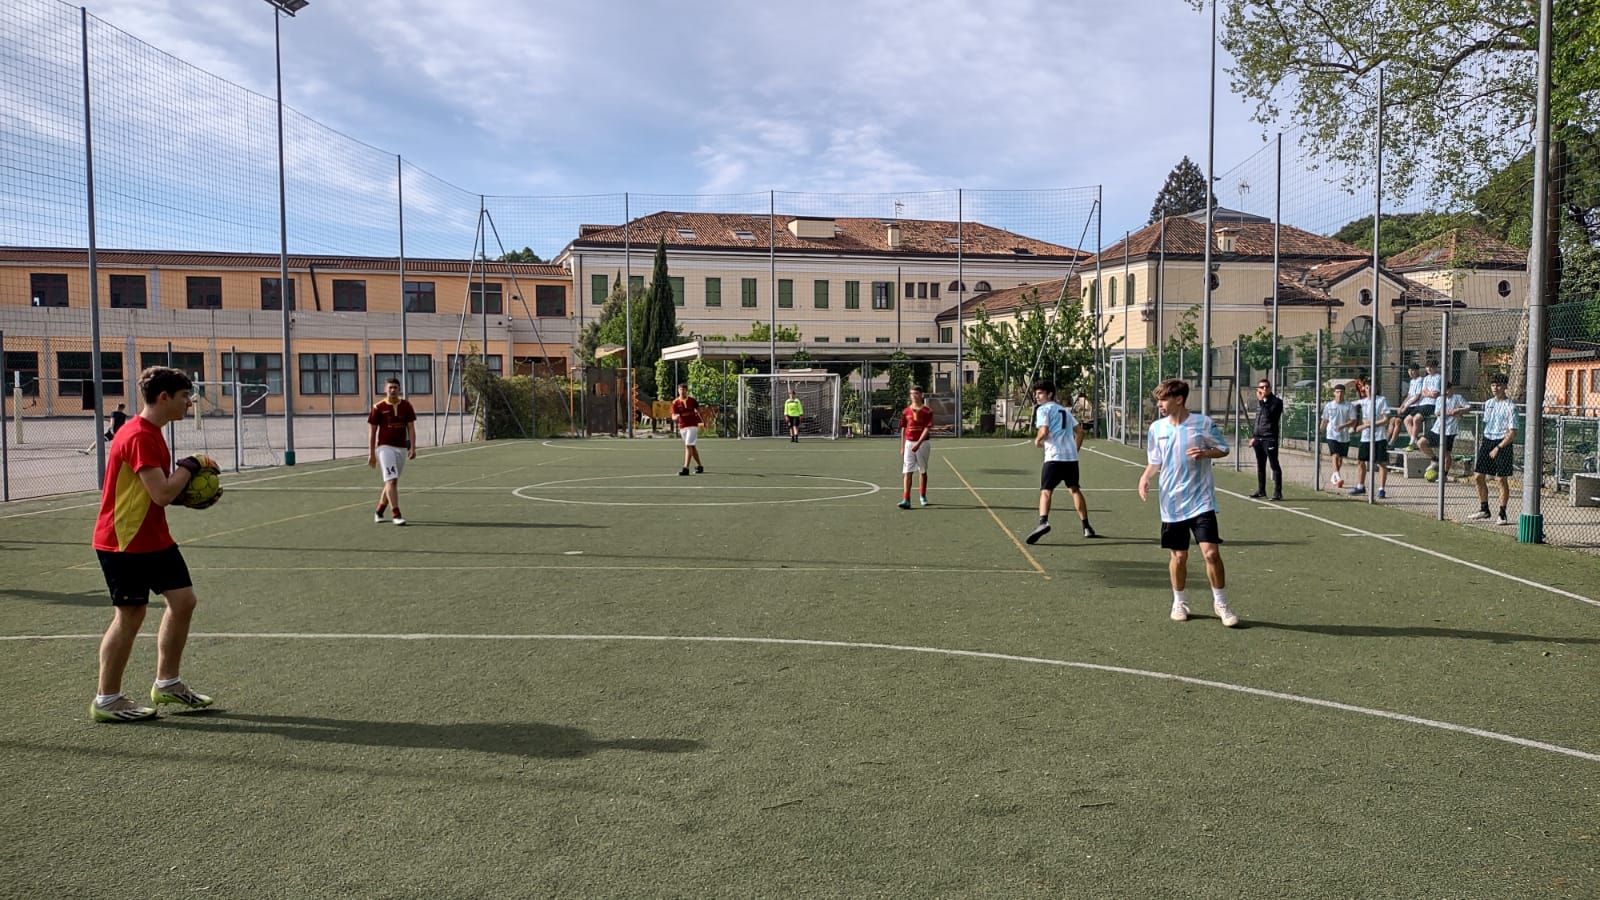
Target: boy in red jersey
[
  {"x": 916, "y": 426},
  {"x": 391, "y": 440},
  {"x": 686, "y": 415},
  {"x": 137, "y": 553}
]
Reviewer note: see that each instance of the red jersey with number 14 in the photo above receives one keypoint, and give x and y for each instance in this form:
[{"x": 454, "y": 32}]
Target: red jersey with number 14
[
  {"x": 391, "y": 419},
  {"x": 914, "y": 423},
  {"x": 687, "y": 411}
]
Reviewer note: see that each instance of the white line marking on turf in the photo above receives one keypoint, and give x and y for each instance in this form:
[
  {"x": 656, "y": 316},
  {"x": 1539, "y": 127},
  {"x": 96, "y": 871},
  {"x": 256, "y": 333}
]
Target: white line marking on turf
[
  {"x": 1398, "y": 543},
  {"x": 1365, "y": 534},
  {"x": 900, "y": 648},
  {"x": 584, "y": 567}
]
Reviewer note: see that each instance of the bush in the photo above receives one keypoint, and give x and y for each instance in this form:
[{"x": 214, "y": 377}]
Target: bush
[{"x": 501, "y": 407}]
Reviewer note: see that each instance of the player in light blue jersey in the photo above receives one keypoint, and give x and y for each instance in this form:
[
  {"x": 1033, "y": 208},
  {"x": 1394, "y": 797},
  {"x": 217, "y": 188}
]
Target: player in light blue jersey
[
  {"x": 1496, "y": 455},
  {"x": 1060, "y": 434},
  {"x": 1182, "y": 445}
]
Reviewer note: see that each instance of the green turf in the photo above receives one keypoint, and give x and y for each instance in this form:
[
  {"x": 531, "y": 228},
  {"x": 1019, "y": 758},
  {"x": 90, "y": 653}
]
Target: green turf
[{"x": 485, "y": 758}]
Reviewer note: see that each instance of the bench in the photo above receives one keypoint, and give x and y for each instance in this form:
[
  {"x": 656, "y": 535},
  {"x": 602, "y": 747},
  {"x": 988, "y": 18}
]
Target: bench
[
  {"x": 1409, "y": 463},
  {"x": 1585, "y": 489}
]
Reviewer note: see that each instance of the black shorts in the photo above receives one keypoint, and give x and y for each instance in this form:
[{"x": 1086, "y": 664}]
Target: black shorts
[
  {"x": 1058, "y": 472},
  {"x": 1449, "y": 441},
  {"x": 793, "y": 420},
  {"x": 1175, "y": 535},
  {"x": 132, "y": 576},
  {"x": 1417, "y": 410},
  {"x": 1382, "y": 448},
  {"x": 1497, "y": 466},
  {"x": 1340, "y": 449}
]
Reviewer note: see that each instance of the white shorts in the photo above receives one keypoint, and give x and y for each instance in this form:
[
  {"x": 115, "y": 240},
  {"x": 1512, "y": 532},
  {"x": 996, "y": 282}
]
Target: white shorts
[
  {"x": 391, "y": 461},
  {"x": 916, "y": 460},
  {"x": 690, "y": 435}
]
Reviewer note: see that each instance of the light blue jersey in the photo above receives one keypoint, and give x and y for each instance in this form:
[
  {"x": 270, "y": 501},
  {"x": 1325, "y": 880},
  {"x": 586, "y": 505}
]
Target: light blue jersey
[
  {"x": 1499, "y": 419},
  {"x": 1059, "y": 443},
  {"x": 1187, "y": 486},
  {"x": 1414, "y": 391},
  {"x": 1451, "y": 424},
  {"x": 1434, "y": 384}
]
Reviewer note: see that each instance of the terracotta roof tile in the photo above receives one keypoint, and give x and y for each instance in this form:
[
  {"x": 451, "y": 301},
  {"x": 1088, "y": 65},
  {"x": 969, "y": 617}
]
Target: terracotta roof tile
[
  {"x": 1008, "y": 299},
  {"x": 186, "y": 259},
  {"x": 1460, "y": 248},
  {"x": 722, "y": 231},
  {"x": 1186, "y": 239}
]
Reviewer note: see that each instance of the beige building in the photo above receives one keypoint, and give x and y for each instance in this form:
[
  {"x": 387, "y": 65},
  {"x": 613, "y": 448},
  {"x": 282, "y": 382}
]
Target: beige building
[{"x": 218, "y": 316}]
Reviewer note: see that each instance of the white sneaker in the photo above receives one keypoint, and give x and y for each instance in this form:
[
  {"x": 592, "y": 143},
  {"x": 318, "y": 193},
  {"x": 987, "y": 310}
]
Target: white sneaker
[
  {"x": 1180, "y": 611},
  {"x": 1225, "y": 614},
  {"x": 398, "y": 520},
  {"x": 1480, "y": 514},
  {"x": 377, "y": 518},
  {"x": 1502, "y": 520}
]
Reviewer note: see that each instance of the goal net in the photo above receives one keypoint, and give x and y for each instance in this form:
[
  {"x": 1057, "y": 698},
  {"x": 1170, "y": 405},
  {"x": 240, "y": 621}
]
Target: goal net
[{"x": 761, "y": 399}]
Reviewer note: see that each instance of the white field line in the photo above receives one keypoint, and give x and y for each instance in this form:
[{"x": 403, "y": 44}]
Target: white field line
[
  {"x": 1353, "y": 530},
  {"x": 900, "y": 648}
]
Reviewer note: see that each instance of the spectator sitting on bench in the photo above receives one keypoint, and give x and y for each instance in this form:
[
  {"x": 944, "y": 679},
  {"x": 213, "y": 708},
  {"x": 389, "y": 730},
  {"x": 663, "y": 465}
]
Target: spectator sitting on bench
[
  {"x": 1445, "y": 428},
  {"x": 1411, "y": 409}
]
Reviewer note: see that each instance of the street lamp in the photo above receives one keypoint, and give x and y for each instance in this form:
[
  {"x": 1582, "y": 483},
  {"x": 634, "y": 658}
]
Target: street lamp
[{"x": 287, "y": 7}]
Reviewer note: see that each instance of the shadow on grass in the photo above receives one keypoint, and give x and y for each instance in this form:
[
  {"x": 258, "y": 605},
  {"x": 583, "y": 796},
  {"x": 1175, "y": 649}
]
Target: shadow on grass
[
  {"x": 530, "y": 739},
  {"x": 1125, "y": 573},
  {"x": 62, "y": 598},
  {"x": 1425, "y": 631}
]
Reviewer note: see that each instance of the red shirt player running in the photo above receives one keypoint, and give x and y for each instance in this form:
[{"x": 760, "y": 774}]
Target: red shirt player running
[
  {"x": 916, "y": 426},
  {"x": 686, "y": 415}
]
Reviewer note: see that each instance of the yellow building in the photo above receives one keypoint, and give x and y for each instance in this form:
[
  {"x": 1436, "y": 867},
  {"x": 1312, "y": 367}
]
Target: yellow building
[{"x": 219, "y": 317}]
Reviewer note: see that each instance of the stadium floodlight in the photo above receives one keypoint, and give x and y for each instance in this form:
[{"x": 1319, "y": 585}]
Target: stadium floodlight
[{"x": 288, "y": 7}]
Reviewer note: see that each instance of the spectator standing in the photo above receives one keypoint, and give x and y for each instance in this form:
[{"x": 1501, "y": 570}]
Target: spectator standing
[{"x": 1269, "y": 418}]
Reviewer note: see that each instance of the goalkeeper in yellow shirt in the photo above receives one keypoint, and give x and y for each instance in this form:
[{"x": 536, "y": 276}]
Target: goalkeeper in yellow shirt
[{"x": 792, "y": 411}]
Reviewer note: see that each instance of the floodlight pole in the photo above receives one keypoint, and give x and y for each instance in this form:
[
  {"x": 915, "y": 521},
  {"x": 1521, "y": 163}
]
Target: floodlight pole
[
  {"x": 287, "y": 7},
  {"x": 1211, "y": 206},
  {"x": 1530, "y": 527},
  {"x": 97, "y": 383}
]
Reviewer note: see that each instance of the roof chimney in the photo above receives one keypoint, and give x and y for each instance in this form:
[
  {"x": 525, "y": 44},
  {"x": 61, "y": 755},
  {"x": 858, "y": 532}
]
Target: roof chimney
[
  {"x": 894, "y": 235},
  {"x": 1227, "y": 236}
]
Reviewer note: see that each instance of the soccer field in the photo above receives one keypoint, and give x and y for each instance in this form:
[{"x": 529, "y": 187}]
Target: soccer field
[{"x": 576, "y": 673}]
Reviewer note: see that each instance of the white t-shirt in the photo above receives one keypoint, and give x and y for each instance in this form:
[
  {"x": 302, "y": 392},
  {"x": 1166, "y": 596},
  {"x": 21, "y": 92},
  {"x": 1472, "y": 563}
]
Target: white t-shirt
[
  {"x": 1372, "y": 409},
  {"x": 1059, "y": 443},
  {"x": 1338, "y": 414},
  {"x": 1452, "y": 424}
]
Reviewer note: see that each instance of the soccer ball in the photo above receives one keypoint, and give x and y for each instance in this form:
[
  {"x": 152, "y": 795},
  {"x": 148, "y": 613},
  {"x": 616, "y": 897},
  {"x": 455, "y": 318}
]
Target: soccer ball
[
  {"x": 203, "y": 490},
  {"x": 1430, "y": 474},
  {"x": 1336, "y": 479}
]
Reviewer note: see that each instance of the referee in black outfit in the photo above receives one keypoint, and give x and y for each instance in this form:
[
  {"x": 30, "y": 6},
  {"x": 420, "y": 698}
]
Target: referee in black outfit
[{"x": 1269, "y": 414}]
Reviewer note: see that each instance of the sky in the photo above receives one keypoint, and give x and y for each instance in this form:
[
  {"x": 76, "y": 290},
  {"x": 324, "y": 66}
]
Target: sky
[{"x": 870, "y": 98}]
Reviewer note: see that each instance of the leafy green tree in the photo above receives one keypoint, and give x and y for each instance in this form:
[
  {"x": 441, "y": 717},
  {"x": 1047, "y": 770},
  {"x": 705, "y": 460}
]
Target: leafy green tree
[
  {"x": 1184, "y": 192},
  {"x": 1256, "y": 349},
  {"x": 1401, "y": 231},
  {"x": 525, "y": 255},
  {"x": 762, "y": 331},
  {"x": 1059, "y": 339}
]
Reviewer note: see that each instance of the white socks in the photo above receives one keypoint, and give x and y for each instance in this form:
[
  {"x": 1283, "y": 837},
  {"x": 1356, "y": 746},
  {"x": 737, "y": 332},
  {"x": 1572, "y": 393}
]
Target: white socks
[
  {"x": 1219, "y": 596},
  {"x": 167, "y": 682}
]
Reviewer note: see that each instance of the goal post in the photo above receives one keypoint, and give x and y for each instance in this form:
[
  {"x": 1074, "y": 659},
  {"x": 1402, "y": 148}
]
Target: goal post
[{"x": 761, "y": 399}]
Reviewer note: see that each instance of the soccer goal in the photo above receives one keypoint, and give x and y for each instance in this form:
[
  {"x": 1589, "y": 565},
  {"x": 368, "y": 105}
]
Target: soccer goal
[{"x": 761, "y": 399}]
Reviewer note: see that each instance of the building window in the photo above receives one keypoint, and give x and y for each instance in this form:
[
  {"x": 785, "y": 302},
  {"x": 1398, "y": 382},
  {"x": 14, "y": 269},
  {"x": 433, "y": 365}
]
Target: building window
[
  {"x": 747, "y": 292},
  {"x": 881, "y": 340},
  {"x": 49, "y": 289},
  {"x": 635, "y": 284},
  {"x": 75, "y": 373},
  {"x": 922, "y": 290},
  {"x": 677, "y": 289},
  {"x": 191, "y": 363},
  {"x": 349, "y": 295},
  {"x": 933, "y": 289},
  {"x": 457, "y": 363},
  {"x": 549, "y": 300},
  {"x": 1131, "y": 283},
  {"x": 911, "y": 290},
  {"x": 743, "y": 234},
  {"x": 22, "y": 369},
  {"x": 1365, "y": 297},
  {"x": 923, "y": 340},
  {"x": 852, "y": 340},
  {"x": 958, "y": 286},
  {"x": 982, "y": 287},
  {"x": 128, "y": 292},
  {"x": 205, "y": 292},
  {"x": 819, "y": 294},
  {"x": 269, "y": 294},
  {"x": 1503, "y": 288},
  {"x": 419, "y": 372},
  {"x": 883, "y": 295},
  {"x": 947, "y": 334},
  {"x": 821, "y": 339},
  {"x": 1111, "y": 292},
  {"x": 420, "y": 297},
  {"x": 322, "y": 374},
  {"x": 490, "y": 294},
  {"x": 852, "y": 295},
  {"x": 598, "y": 290},
  {"x": 713, "y": 291},
  {"x": 252, "y": 368},
  {"x": 786, "y": 293}
]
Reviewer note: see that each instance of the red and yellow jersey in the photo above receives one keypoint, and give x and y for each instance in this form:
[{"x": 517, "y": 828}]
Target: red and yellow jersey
[
  {"x": 129, "y": 521},
  {"x": 914, "y": 423},
  {"x": 687, "y": 411},
  {"x": 391, "y": 419}
]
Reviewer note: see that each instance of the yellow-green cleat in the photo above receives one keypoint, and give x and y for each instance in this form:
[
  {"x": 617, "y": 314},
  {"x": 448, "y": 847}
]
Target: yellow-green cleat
[
  {"x": 121, "y": 709},
  {"x": 179, "y": 693}
]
